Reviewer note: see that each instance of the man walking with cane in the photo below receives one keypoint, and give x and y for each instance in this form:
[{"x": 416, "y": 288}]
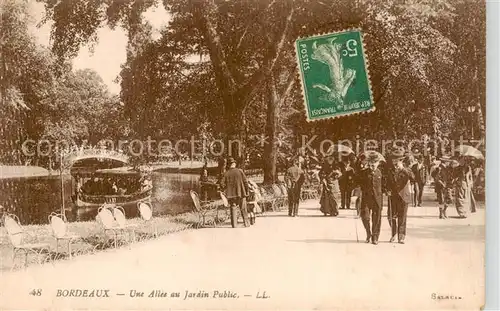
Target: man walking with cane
[
  {"x": 235, "y": 183},
  {"x": 370, "y": 180},
  {"x": 399, "y": 194},
  {"x": 294, "y": 178}
]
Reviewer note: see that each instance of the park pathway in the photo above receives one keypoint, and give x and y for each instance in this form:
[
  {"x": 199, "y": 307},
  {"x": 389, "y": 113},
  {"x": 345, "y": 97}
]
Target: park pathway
[{"x": 305, "y": 262}]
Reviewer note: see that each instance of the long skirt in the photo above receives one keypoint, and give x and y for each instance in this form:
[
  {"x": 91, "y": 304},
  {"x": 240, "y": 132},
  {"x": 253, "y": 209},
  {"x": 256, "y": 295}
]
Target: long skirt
[
  {"x": 462, "y": 199},
  {"x": 330, "y": 202},
  {"x": 472, "y": 201}
]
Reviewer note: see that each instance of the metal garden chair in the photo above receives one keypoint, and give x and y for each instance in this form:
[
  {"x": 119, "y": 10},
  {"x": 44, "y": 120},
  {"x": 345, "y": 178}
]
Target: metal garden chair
[
  {"x": 17, "y": 235},
  {"x": 121, "y": 220},
  {"x": 225, "y": 206},
  {"x": 281, "y": 197},
  {"x": 107, "y": 220},
  {"x": 146, "y": 212},
  {"x": 309, "y": 194},
  {"x": 58, "y": 224},
  {"x": 254, "y": 202},
  {"x": 284, "y": 191},
  {"x": 202, "y": 210},
  {"x": 268, "y": 198}
]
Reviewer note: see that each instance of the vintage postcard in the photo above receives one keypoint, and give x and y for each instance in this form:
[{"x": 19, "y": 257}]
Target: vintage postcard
[{"x": 242, "y": 155}]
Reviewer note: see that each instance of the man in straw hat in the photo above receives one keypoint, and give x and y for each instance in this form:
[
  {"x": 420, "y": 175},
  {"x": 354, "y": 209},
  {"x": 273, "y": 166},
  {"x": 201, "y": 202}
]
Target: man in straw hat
[
  {"x": 236, "y": 187},
  {"x": 370, "y": 181},
  {"x": 400, "y": 195},
  {"x": 443, "y": 181}
]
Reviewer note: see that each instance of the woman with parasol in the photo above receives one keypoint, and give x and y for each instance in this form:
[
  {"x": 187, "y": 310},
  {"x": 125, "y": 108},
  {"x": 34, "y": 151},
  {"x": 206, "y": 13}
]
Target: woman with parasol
[{"x": 463, "y": 178}]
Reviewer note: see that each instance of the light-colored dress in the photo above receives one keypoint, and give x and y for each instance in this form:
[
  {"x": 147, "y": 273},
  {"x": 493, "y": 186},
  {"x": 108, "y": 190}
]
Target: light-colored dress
[{"x": 463, "y": 190}]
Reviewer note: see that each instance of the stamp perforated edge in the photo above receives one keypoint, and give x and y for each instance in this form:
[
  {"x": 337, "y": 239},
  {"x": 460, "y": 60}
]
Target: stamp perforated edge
[{"x": 367, "y": 70}]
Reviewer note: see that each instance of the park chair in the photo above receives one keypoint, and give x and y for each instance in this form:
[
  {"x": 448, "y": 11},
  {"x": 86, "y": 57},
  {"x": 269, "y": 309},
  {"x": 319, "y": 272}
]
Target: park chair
[
  {"x": 202, "y": 209},
  {"x": 268, "y": 198},
  {"x": 107, "y": 220},
  {"x": 59, "y": 226},
  {"x": 309, "y": 194},
  {"x": 256, "y": 200},
  {"x": 16, "y": 236},
  {"x": 284, "y": 191},
  {"x": 262, "y": 198},
  {"x": 225, "y": 205},
  {"x": 281, "y": 197},
  {"x": 146, "y": 212},
  {"x": 121, "y": 220}
]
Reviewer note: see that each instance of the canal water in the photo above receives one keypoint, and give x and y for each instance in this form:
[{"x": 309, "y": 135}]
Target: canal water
[{"x": 33, "y": 199}]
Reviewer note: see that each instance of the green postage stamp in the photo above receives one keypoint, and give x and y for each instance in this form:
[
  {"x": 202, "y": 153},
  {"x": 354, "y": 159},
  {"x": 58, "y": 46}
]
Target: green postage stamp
[{"x": 334, "y": 75}]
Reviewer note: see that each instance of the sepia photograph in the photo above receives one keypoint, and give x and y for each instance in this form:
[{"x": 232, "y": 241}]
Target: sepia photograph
[{"x": 243, "y": 154}]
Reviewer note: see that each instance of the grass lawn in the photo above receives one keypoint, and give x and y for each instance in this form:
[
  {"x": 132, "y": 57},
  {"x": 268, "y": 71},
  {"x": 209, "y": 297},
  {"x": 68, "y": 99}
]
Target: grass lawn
[{"x": 92, "y": 236}]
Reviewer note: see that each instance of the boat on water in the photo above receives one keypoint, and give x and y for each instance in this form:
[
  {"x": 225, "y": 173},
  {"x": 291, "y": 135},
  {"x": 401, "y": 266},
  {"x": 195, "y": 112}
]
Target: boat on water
[{"x": 105, "y": 176}]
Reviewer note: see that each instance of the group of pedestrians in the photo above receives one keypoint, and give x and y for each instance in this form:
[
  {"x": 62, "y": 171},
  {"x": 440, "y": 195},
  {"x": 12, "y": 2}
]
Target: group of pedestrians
[
  {"x": 454, "y": 184},
  {"x": 401, "y": 177}
]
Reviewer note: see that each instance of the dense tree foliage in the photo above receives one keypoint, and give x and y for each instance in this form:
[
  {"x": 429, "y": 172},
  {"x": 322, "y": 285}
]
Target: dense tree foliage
[
  {"x": 43, "y": 99},
  {"x": 226, "y": 69}
]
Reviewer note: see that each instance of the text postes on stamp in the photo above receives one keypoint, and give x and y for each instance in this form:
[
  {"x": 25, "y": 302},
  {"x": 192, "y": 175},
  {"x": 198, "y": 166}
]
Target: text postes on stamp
[{"x": 334, "y": 75}]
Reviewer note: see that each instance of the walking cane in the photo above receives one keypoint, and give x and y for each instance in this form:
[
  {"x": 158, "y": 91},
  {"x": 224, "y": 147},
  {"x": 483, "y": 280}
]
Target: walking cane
[
  {"x": 356, "y": 220},
  {"x": 389, "y": 211},
  {"x": 356, "y": 226}
]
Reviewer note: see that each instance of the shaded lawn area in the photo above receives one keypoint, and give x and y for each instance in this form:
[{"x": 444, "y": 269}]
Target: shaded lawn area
[{"x": 92, "y": 236}]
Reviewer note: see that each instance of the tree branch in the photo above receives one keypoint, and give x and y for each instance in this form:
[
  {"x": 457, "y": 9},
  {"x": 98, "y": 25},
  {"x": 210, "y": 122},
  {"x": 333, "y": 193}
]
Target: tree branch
[
  {"x": 250, "y": 23},
  {"x": 289, "y": 85},
  {"x": 282, "y": 41},
  {"x": 257, "y": 78},
  {"x": 216, "y": 51}
]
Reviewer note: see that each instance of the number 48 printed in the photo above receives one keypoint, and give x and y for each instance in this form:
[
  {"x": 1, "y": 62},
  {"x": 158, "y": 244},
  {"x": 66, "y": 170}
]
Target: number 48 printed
[{"x": 36, "y": 292}]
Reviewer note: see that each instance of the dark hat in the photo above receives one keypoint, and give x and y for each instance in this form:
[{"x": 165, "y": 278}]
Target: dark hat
[
  {"x": 398, "y": 153},
  {"x": 373, "y": 158},
  {"x": 230, "y": 160}
]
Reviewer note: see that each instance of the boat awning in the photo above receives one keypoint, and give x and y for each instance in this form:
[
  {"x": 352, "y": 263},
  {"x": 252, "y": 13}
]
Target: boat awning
[{"x": 19, "y": 171}]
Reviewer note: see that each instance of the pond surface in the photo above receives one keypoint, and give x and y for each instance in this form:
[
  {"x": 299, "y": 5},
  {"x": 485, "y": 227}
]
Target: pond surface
[{"x": 33, "y": 199}]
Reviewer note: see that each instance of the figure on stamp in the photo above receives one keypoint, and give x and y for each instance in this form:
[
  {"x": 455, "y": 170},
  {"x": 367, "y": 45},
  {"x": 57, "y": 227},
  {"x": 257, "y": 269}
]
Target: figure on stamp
[{"x": 341, "y": 78}]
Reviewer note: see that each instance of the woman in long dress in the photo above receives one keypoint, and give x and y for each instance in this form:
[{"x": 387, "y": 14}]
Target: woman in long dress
[
  {"x": 462, "y": 179},
  {"x": 330, "y": 194}
]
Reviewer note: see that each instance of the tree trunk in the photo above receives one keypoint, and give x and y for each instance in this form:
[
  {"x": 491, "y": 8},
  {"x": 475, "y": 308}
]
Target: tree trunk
[
  {"x": 479, "y": 107},
  {"x": 271, "y": 148},
  {"x": 235, "y": 94},
  {"x": 480, "y": 118}
]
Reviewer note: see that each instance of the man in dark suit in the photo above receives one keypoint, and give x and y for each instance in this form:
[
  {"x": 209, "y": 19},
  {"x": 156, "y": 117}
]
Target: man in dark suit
[
  {"x": 443, "y": 180},
  {"x": 294, "y": 178},
  {"x": 235, "y": 183},
  {"x": 420, "y": 172},
  {"x": 345, "y": 183},
  {"x": 370, "y": 181},
  {"x": 399, "y": 179}
]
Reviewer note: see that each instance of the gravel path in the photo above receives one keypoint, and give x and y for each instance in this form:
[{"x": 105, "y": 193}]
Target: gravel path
[{"x": 306, "y": 262}]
